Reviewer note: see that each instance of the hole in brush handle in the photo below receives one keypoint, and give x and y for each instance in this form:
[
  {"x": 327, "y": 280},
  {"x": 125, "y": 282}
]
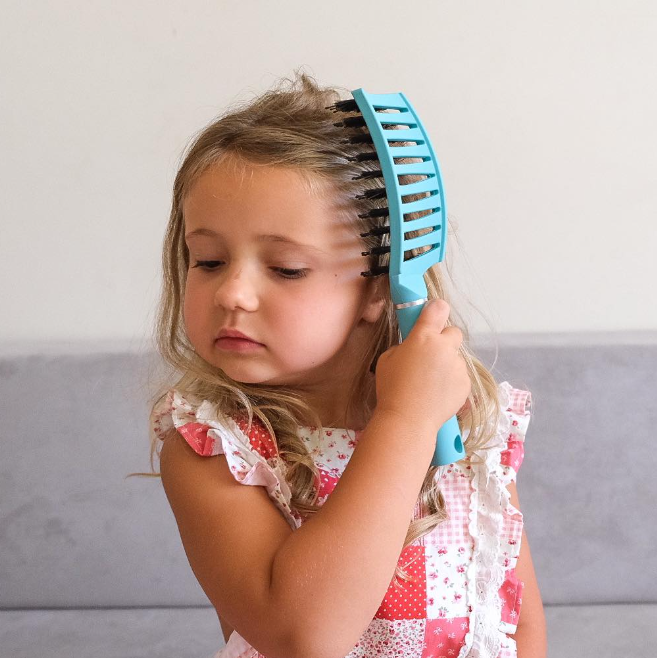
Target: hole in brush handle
[{"x": 449, "y": 444}]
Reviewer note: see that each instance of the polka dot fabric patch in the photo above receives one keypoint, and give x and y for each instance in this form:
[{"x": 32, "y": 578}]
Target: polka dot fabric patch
[
  {"x": 407, "y": 600},
  {"x": 260, "y": 439}
]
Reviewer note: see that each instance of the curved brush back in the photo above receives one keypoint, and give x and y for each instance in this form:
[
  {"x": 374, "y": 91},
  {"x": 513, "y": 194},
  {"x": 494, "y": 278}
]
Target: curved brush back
[{"x": 406, "y": 271}]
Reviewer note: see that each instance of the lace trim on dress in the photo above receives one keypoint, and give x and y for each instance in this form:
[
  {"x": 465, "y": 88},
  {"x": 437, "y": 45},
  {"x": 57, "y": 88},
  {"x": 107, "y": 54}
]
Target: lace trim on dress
[
  {"x": 209, "y": 433},
  {"x": 490, "y": 518}
]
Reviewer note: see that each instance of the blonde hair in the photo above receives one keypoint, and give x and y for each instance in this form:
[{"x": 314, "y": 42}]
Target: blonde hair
[{"x": 290, "y": 126}]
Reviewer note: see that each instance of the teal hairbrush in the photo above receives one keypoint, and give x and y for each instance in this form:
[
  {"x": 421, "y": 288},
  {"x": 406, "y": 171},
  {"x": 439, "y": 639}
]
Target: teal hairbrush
[{"x": 381, "y": 115}]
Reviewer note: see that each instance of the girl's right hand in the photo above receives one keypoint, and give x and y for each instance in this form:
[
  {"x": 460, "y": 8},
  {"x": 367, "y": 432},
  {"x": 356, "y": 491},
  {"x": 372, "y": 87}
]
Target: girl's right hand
[{"x": 424, "y": 378}]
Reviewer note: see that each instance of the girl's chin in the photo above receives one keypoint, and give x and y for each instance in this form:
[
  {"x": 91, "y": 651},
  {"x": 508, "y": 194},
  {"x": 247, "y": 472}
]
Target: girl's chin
[
  {"x": 245, "y": 373},
  {"x": 262, "y": 379},
  {"x": 245, "y": 376}
]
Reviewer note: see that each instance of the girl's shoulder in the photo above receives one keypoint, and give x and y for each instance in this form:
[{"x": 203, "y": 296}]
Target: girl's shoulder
[
  {"x": 206, "y": 428},
  {"x": 250, "y": 453}
]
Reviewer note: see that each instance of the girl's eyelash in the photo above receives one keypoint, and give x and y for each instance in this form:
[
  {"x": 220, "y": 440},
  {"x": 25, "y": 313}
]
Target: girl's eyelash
[{"x": 285, "y": 272}]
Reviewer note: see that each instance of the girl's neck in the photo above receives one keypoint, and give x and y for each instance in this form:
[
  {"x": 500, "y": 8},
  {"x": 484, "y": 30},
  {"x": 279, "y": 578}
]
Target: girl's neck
[{"x": 351, "y": 418}]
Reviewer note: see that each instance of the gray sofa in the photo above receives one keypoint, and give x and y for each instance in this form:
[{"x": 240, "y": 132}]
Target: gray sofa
[{"x": 91, "y": 563}]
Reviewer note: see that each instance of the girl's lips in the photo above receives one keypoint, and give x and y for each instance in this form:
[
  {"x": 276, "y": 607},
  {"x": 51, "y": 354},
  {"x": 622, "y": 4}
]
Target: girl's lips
[{"x": 237, "y": 344}]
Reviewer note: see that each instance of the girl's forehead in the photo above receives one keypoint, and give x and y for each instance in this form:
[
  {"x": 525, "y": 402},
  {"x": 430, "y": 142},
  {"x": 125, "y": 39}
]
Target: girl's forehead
[
  {"x": 234, "y": 177},
  {"x": 264, "y": 197}
]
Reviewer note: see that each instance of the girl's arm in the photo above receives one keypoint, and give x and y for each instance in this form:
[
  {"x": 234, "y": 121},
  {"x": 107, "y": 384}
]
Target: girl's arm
[
  {"x": 333, "y": 572},
  {"x": 531, "y": 634}
]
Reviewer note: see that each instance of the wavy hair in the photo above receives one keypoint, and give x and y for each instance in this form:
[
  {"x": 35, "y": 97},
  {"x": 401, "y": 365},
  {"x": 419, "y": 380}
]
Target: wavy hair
[{"x": 291, "y": 126}]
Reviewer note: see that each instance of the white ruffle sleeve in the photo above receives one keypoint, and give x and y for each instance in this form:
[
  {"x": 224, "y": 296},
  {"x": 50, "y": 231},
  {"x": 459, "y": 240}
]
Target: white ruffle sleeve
[{"x": 252, "y": 458}]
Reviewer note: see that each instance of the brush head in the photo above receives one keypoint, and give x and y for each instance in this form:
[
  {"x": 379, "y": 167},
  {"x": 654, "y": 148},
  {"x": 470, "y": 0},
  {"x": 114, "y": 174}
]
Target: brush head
[{"x": 395, "y": 143}]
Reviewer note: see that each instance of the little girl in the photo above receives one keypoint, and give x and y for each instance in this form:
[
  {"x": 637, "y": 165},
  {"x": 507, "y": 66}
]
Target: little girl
[{"x": 295, "y": 447}]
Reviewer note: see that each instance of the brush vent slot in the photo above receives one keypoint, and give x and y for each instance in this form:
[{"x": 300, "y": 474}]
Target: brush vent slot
[
  {"x": 406, "y": 198},
  {"x": 420, "y": 178}
]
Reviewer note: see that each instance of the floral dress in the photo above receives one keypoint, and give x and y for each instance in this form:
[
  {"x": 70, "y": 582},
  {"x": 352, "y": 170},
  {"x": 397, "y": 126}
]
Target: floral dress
[{"x": 467, "y": 599}]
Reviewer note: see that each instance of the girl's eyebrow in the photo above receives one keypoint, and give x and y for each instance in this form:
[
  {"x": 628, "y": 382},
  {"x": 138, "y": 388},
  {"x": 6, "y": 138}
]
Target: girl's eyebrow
[{"x": 269, "y": 237}]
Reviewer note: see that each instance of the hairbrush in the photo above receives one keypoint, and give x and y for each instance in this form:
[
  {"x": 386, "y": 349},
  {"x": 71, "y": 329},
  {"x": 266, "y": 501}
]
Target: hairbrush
[{"x": 391, "y": 123}]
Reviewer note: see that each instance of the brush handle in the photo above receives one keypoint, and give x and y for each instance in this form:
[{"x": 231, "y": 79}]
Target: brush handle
[{"x": 449, "y": 444}]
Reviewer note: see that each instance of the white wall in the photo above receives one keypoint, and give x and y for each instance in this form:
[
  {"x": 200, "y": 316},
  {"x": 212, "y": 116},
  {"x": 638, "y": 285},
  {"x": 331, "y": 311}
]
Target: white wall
[{"x": 542, "y": 115}]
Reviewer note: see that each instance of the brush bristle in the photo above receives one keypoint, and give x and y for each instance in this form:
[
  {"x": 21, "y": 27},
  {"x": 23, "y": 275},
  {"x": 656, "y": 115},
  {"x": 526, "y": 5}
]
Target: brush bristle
[
  {"x": 348, "y": 105},
  {"x": 376, "y": 271},
  {"x": 359, "y": 136}
]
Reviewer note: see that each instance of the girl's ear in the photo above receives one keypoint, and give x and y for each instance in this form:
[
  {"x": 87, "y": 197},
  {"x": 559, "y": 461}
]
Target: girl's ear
[{"x": 375, "y": 302}]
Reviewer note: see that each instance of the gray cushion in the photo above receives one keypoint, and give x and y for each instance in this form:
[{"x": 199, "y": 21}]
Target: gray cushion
[
  {"x": 597, "y": 631},
  {"x": 76, "y": 533}
]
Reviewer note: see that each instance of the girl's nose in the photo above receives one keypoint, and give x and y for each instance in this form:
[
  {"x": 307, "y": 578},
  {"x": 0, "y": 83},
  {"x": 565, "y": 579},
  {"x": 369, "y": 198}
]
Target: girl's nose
[{"x": 236, "y": 290}]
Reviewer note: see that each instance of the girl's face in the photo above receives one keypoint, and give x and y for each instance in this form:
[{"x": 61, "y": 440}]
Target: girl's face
[{"x": 277, "y": 263}]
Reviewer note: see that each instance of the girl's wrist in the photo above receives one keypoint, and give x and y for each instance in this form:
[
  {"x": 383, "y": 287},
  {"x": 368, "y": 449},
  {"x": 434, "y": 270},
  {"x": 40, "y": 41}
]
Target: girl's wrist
[{"x": 420, "y": 433}]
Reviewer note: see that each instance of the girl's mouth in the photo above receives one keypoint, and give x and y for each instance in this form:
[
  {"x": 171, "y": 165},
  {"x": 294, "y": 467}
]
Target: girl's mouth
[{"x": 237, "y": 344}]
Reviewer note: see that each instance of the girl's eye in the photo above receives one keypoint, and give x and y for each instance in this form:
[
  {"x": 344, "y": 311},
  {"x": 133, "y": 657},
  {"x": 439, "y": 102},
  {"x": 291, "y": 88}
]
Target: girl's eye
[
  {"x": 206, "y": 264},
  {"x": 288, "y": 273},
  {"x": 284, "y": 272}
]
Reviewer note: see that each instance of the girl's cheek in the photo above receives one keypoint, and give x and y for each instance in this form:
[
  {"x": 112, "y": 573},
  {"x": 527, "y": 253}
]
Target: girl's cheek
[
  {"x": 191, "y": 310},
  {"x": 194, "y": 293}
]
